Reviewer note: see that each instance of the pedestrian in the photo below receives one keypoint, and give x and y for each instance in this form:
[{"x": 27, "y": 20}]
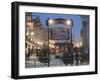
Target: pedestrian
[
  {"x": 77, "y": 57},
  {"x": 65, "y": 58},
  {"x": 72, "y": 58}
]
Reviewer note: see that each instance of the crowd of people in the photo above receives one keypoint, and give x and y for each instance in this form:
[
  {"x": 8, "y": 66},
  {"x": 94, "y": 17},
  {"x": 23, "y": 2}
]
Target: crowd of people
[{"x": 70, "y": 56}]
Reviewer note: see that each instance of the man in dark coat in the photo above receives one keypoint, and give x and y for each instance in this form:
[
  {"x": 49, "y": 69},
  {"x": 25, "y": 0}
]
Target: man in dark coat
[{"x": 77, "y": 57}]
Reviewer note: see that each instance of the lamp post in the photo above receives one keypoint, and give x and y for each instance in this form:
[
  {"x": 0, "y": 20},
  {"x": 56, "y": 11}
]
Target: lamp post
[
  {"x": 69, "y": 23},
  {"x": 47, "y": 24}
]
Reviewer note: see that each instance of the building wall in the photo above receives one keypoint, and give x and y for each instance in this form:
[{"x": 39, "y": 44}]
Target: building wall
[
  {"x": 40, "y": 33},
  {"x": 85, "y": 31}
]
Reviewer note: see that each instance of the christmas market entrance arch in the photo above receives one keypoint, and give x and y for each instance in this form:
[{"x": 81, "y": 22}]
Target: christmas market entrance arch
[{"x": 68, "y": 23}]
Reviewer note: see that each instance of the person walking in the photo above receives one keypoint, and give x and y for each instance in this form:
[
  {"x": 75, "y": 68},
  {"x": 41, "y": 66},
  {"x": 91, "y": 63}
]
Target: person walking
[
  {"x": 72, "y": 58},
  {"x": 77, "y": 57}
]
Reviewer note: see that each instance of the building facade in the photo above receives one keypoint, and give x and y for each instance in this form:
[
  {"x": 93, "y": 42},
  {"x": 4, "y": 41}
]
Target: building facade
[
  {"x": 85, "y": 33},
  {"x": 58, "y": 41}
]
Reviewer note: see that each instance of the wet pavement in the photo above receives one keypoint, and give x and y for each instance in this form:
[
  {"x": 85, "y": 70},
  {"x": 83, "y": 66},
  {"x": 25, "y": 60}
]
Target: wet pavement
[{"x": 33, "y": 62}]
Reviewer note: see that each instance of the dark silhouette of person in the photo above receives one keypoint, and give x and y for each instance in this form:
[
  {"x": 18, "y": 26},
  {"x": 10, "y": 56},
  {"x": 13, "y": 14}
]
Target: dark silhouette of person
[
  {"x": 77, "y": 57},
  {"x": 72, "y": 58},
  {"x": 37, "y": 52},
  {"x": 65, "y": 58}
]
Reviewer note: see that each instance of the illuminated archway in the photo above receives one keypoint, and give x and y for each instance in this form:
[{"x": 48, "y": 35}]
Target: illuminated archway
[{"x": 67, "y": 22}]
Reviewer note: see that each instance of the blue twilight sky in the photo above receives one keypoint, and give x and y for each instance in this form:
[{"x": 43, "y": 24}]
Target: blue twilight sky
[{"x": 77, "y": 21}]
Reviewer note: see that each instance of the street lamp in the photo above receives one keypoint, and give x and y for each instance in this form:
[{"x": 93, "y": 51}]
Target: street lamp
[
  {"x": 50, "y": 21},
  {"x": 47, "y": 24},
  {"x": 27, "y": 33},
  {"x": 68, "y": 22},
  {"x": 31, "y": 33}
]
